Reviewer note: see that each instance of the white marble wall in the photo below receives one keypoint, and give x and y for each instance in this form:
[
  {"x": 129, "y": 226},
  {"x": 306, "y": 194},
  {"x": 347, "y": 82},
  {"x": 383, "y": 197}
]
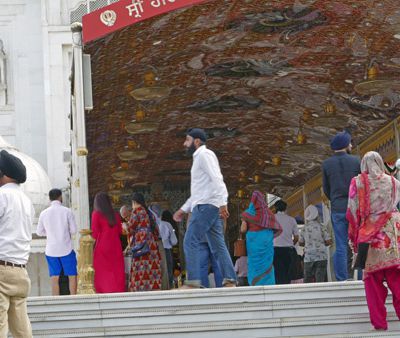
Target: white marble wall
[
  {"x": 38, "y": 43},
  {"x": 37, "y": 40}
]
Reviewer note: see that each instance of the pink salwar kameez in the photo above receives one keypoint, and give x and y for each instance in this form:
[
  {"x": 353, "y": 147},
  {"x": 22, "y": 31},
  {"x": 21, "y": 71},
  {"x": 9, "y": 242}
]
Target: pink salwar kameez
[{"x": 374, "y": 219}]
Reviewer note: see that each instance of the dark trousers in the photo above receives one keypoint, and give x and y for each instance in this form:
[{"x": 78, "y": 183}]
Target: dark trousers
[
  {"x": 282, "y": 262},
  {"x": 242, "y": 281},
  {"x": 315, "y": 271},
  {"x": 170, "y": 267}
]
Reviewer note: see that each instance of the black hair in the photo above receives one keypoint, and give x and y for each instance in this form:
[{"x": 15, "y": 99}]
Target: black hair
[
  {"x": 280, "y": 205},
  {"x": 167, "y": 217},
  {"x": 54, "y": 194},
  {"x": 102, "y": 203},
  {"x": 139, "y": 198}
]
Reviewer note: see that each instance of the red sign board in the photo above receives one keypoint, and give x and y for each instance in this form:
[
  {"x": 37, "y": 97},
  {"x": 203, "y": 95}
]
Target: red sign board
[{"x": 125, "y": 13}]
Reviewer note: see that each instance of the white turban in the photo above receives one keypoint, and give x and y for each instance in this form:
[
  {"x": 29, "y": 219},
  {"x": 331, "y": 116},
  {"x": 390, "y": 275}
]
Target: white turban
[{"x": 311, "y": 213}]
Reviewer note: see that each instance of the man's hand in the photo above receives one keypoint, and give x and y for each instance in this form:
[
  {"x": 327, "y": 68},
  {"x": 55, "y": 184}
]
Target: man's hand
[
  {"x": 223, "y": 212},
  {"x": 178, "y": 216}
]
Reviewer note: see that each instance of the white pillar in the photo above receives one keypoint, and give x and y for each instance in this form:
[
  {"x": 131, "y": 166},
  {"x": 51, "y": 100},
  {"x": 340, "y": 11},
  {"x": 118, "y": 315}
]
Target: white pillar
[{"x": 79, "y": 184}]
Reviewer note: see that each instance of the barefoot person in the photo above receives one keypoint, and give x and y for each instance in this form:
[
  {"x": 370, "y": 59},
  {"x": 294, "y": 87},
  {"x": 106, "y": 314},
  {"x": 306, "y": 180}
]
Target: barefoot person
[
  {"x": 208, "y": 204},
  {"x": 374, "y": 225},
  {"x": 57, "y": 223},
  {"x": 16, "y": 218}
]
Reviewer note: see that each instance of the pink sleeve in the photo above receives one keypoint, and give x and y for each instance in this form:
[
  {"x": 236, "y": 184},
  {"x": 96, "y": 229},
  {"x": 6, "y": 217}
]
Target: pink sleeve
[{"x": 352, "y": 213}]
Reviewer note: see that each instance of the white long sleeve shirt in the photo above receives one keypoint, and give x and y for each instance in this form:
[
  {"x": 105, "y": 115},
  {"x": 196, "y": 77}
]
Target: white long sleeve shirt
[
  {"x": 57, "y": 223},
  {"x": 207, "y": 184},
  {"x": 16, "y": 217}
]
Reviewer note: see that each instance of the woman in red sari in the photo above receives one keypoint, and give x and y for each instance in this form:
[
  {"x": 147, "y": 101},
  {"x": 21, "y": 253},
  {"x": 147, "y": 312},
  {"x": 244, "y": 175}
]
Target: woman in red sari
[
  {"x": 108, "y": 260},
  {"x": 374, "y": 219},
  {"x": 146, "y": 268}
]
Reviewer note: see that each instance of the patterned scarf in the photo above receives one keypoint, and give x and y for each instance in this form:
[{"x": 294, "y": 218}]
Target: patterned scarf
[
  {"x": 259, "y": 214},
  {"x": 372, "y": 199}
]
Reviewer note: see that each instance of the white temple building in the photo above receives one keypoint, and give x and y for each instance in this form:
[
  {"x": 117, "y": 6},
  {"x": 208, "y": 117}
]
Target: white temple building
[{"x": 35, "y": 108}]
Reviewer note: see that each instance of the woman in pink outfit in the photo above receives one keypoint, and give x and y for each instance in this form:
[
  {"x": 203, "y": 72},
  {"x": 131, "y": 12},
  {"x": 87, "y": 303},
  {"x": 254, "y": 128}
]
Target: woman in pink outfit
[
  {"x": 108, "y": 260},
  {"x": 374, "y": 227}
]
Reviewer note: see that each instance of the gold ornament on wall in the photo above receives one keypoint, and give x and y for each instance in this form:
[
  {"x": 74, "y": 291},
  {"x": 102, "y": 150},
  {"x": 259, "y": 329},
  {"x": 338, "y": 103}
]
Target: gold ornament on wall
[
  {"x": 240, "y": 193},
  {"x": 307, "y": 115},
  {"x": 150, "y": 91},
  {"x": 242, "y": 177},
  {"x": 372, "y": 70},
  {"x": 276, "y": 160},
  {"x": 132, "y": 152},
  {"x": 140, "y": 115},
  {"x": 301, "y": 138},
  {"x": 329, "y": 108}
]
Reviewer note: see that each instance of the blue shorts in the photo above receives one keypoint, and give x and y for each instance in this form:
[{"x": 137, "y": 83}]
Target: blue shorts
[{"x": 67, "y": 263}]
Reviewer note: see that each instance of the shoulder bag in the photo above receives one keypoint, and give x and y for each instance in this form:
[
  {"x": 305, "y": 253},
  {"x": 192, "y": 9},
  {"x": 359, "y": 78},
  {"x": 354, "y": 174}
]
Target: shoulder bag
[{"x": 142, "y": 248}]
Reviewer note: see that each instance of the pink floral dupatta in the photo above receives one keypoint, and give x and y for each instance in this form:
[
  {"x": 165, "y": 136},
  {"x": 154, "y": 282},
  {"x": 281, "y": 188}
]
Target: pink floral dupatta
[{"x": 373, "y": 196}]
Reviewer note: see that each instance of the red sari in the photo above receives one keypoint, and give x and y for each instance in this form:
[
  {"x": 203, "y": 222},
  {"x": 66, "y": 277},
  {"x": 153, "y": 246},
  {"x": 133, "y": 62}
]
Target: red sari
[
  {"x": 146, "y": 269},
  {"x": 108, "y": 260}
]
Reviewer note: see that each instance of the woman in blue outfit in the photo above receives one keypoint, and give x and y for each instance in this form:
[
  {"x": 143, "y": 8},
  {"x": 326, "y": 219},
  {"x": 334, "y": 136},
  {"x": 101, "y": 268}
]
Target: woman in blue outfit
[{"x": 260, "y": 226}]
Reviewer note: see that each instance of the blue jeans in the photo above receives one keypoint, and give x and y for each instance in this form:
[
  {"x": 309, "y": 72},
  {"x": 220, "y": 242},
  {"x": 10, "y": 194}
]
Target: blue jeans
[
  {"x": 205, "y": 222},
  {"x": 207, "y": 257},
  {"x": 340, "y": 228}
]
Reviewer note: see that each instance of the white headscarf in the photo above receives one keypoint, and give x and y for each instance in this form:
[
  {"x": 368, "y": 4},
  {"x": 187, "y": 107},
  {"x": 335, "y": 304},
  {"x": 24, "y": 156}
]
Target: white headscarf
[
  {"x": 372, "y": 164},
  {"x": 311, "y": 213}
]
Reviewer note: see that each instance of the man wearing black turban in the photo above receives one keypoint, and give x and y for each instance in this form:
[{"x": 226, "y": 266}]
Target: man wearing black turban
[
  {"x": 208, "y": 204},
  {"x": 16, "y": 216}
]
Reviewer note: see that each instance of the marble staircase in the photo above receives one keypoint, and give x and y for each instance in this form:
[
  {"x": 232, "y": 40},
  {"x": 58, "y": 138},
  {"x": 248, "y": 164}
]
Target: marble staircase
[{"x": 299, "y": 310}]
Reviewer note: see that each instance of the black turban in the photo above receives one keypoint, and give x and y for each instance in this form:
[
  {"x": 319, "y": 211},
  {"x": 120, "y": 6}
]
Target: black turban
[
  {"x": 12, "y": 167},
  {"x": 197, "y": 133}
]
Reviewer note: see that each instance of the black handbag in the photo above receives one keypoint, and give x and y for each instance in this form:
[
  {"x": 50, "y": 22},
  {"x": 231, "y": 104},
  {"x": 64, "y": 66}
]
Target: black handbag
[
  {"x": 361, "y": 258},
  {"x": 142, "y": 248}
]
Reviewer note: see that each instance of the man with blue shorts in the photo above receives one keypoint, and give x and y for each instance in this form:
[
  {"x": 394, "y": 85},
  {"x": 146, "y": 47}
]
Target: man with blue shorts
[{"x": 57, "y": 223}]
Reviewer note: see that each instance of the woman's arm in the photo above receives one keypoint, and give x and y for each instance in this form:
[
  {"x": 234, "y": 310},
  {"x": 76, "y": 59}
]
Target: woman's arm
[
  {"x": 353, "y": 213},
  {"x": 96, "y": 227},
  {"x": 243, "y": 227}
]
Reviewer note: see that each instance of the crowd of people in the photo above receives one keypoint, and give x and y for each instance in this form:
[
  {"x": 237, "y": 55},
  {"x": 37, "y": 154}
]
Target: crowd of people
[{"x": 364, "y": 215}]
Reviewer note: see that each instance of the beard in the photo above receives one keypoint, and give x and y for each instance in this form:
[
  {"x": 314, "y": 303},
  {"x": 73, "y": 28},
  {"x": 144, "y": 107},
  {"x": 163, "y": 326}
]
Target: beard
[{"x": 191, "y": 149}]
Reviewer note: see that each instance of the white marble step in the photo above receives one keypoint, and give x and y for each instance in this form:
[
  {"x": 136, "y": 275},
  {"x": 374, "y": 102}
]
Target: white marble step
[
  {"x": 293, "y": 310},
  {"x": 371, "y": 333}
]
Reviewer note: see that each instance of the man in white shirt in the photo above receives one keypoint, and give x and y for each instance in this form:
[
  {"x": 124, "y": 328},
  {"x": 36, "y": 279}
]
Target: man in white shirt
[
  {"x": 57, "y": 223},
  {"x": 284, "y": 251},
  {"x": 208, "y": 204},
  {"x": 16, "y": 217}
]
